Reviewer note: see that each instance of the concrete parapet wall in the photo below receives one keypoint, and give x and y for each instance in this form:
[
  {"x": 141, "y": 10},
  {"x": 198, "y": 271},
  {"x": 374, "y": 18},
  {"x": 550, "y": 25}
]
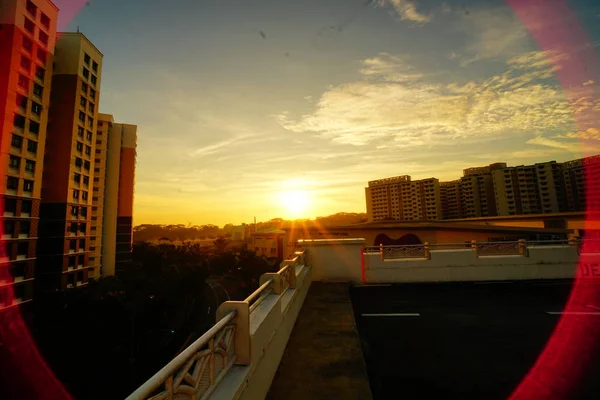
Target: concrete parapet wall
[
  {"x": 547, "y": 262},
  {"x": 271, "y": 324}
]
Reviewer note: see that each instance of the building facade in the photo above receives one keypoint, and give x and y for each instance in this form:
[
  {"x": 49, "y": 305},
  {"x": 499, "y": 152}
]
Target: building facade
[
  {"x": 63, "y": 251},
  {"x": 493, "y": 190},
  {"x": 27, "y": 44},
  {"x": 400, "y": 198}
]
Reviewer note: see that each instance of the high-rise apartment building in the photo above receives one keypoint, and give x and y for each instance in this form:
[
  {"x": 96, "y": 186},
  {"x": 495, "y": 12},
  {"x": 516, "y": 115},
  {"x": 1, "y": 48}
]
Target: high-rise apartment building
[
  {"x": 112, "y": 202},
  {"x": 451, "y": 199},
  {"x": 477, "y": 190},
  {"x": 529, "y": 189},
  {"x": 496, "y": 189},
  {"x": 63, "y": 250},
  {"x": 27, "y": 40},
  {"x": 399, "y": 198}
]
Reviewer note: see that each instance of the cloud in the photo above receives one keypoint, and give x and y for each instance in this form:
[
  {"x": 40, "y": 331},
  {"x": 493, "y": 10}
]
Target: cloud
[
  {"x": 589, "y": 82},
  {"x": 406, "y": 10},
  {"x": 396, "y": 104},
  {"x": 587, "y": 141}
]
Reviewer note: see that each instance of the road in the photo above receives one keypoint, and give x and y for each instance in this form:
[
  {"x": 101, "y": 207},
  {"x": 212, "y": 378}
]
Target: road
[{"x": 464, "y": 341}]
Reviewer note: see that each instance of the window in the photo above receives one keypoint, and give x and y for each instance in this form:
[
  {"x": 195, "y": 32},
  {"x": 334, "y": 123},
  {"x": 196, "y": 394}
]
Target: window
[
  {"x": 84, "y": 87},
  {"x": 92, "y": 107},
  {"x": 96, "y": 180},
  {"x": 82, "y": 101},
  {"x": 31, "y": 8},
  {"x": 100, "y": 124},
  {"x": 12, "y": 183},
  {"x": 30, "y": 166},
  {"x": 14, "y": 162},
  {"x": 90, "y": 122},
  {"x": 36, "y": 108},
  {"x": 45, "y": 20},
  {"x": 84, "y": 195},
  {"x": 95, "y": 66},
  {"x": 86, "y": 59},
  {"x": 26, "y": 206},
  {"x": 96, "y": 169},
  {"x": 74, "y": 211},
  {"x": 76, "y": 177},
  {"x": 72, "y": 245},
  {"x": 95, "y": 189},
  {"x": 16, "y": 141},
  {"x": 94, "y": 199},
  {"x": 80, "y": 131},
  {"x": 25, "y": 63},
  {"x": 22, "y": 248},
  {"x": 86, "y": 180},
  {"x": 38, "y": 90},
  {"x": 21, "y": 101},
  {"x": 89, "y": 136},
  {"x": 98, "y": 151},
  {"x": 29, "y": 25},
  {"x": 75, "y": 193},
  {"x": 78, "y": 162},
  {"x": 88, "y": 150},
  {"x": 9, "y": 227},
  {"x": 27, "y": 185},
  {"x": 93, "y": 94},
  {"x": 27, "y": 45},
  {"x": 84, "y": 212},
  {"x": 43, "y": 36},
  {"x": 82, "y": 244},
  {"x": 23, "y": 82},
  {"x": 40, "y": 73},
  {"x": 42, "y": 56},
  {"x": 86, "y": 165},
  {"x": 79, "y": 147},
  {"x": 86, "y": 73},
  {"x": 71, "y": 277},
  {"x": 73, "y": 227},
  {"x": 81, "y": 116},
  {"x": 94, "y": 79},
  {"x": 34, "y": 127},
  {"x": 24, "y": 227},
  {"x": 10, "y": 206},
  {"x": 32, "y": 146},
  {"x": 19, "y": 121}
]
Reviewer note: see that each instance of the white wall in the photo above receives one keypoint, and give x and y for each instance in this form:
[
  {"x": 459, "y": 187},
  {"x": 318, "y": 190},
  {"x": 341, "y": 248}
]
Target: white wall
[
  {"x": 334, "y": 260},
  {"x": 547, "y": 262}
]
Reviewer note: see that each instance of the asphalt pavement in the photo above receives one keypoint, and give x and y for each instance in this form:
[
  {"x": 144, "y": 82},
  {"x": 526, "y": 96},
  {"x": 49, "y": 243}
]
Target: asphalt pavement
[{"x": 460, "y": 341}]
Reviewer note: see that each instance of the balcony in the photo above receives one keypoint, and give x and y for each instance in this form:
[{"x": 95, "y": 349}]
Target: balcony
[{"x": 304, "y": 323}]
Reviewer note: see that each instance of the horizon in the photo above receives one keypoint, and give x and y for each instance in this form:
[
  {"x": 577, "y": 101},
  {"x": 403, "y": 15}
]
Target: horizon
[{"x": 288, "y": 110}]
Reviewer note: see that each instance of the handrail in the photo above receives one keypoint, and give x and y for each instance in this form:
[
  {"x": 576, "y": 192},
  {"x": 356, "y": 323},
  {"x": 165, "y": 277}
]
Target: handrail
[
  {"x": 180, "y": 360},
  {"x": 258, "y": 291}
]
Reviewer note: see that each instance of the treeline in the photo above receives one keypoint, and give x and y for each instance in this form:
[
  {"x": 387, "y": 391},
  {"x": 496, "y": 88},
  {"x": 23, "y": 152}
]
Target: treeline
[
  {"x": 180, "y": 232},
  {"x": 124, "y": 329}
]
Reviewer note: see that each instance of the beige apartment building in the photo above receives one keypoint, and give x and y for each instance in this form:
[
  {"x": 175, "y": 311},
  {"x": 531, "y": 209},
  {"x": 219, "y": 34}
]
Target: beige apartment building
[
  {"x": 63, "y": 252},
  {"x": 493, "y": 190},
  {"x": 27, "y": 46},
  {"x": 400, "y": 198}
]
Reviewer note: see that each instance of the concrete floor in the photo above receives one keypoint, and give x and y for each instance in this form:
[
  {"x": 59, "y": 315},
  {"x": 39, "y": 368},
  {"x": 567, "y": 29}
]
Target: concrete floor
[
  {"x": 461, "y": 341},
  {"x": 323, "y": 357}
]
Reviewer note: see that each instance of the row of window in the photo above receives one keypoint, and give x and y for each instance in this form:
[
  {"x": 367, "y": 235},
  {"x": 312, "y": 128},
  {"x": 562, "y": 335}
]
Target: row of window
[
  {"x": 86, "y": 75},
  {"x": 87, "y": 59},
  {"x": 75, "y": 227},
  {"x": 22, "y": 103},
  {"x": 83, "y": 102},
  {"x": 14, "y": 163},
  {"x": 79, "y": 211},
  {"x": 10, "y": 227},
  {"x": 40, "y": 72},
  {"x": 91, "y": 93},
  {"x": 16, "y": 142},
  {"x": 25, "y": 83},
  {"x": 88, "y": 134},
  {"x": 73, "y": 244},
  {"x": 79, "y": 146},
  {"x": 77, "y": 192},
  {"x": 10, "y": 206},
  {"x": 77, "y": 178},
  {"x": 32, "y": 9},
  {"x": 13, "y": 183},
  {"x": 79, "y": 162}
]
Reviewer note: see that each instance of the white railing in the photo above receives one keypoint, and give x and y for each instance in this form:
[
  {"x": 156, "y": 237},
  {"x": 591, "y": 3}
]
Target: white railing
[
  {"x": 196, "y": 372},
  {"x": 482, "y": 249}
]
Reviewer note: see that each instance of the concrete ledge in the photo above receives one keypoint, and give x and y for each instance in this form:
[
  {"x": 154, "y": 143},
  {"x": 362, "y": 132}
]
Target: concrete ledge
[{"x": 271, "y": 324}]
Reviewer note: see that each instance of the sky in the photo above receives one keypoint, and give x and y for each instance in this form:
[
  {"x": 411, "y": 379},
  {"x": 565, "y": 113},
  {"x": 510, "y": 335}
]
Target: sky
[{"x": 276, "y": 108}]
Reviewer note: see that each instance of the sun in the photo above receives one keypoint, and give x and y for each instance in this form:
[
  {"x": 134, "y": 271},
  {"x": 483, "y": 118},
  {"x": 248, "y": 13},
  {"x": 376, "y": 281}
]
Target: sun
[{"x": 295, "y": 202}]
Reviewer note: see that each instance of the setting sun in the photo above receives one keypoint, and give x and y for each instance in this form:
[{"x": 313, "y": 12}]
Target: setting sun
[{"x": 295, "y": 202}]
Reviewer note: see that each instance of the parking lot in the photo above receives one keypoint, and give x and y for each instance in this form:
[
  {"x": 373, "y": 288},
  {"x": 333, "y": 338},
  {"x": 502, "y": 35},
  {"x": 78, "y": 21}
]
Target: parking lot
[{"x": 464, "y": 341}]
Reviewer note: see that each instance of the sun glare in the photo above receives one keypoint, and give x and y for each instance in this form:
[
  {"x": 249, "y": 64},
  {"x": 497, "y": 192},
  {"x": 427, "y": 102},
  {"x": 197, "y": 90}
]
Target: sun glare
[{"x": 295, "y": 202}]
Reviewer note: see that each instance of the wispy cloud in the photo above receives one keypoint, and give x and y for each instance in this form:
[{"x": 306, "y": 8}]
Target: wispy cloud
[
  {"x": 393, "y": 102},
  {"x": 406, "y": 10},
  {"x": 219, "y": 146}
]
